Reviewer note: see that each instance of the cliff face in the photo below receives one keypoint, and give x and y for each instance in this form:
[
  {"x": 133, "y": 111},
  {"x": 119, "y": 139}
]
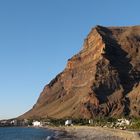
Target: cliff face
[{"x": 101, "y": 80}]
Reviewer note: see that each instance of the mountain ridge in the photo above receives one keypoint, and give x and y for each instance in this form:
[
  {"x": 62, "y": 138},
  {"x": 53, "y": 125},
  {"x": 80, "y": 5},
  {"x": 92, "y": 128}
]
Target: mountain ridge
[{"x": 101, "y": 80}]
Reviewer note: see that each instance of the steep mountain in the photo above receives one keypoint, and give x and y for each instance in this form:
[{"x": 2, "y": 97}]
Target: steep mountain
[{"x": 103, "y": 79}]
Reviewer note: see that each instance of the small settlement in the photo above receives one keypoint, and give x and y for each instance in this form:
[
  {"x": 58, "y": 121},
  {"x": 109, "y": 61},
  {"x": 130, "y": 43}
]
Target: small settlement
[
  {"x": 119, "y": 123},
  {"x": 14, "y": 122},
  {"x": 24, "y": 122}
]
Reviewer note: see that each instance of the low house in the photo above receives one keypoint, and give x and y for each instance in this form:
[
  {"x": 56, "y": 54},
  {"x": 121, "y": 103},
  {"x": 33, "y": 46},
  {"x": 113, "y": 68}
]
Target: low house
[
  {"x": 68, "y": 122},
  {"x": 5, "y": 123},
  {"x": 37, "y": 123},
  {"x": 45, "y": 123},
  {"x": 91, "y": 122},
  {"x": 25, "y": 122},
  {"x": 14, "y": 122},
  {"x": 123, "y": 122}
]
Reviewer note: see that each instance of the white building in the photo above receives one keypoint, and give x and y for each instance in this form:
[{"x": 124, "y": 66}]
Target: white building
[
  {"x": 14, "y": 122},
  {"x": 37, "y": 123},
  {"x": 123, "y": 122},
  {"x": 90, "y": 121},
  {"x": 68, "y": 122}
]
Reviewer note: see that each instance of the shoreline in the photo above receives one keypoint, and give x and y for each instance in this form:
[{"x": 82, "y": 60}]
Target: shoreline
[
  {"x": 91, "y": 133},
  {"x": 88, "y": 133}
]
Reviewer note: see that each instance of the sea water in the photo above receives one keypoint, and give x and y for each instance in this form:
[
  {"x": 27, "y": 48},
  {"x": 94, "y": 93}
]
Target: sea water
[{"x": 19, "y": 133}]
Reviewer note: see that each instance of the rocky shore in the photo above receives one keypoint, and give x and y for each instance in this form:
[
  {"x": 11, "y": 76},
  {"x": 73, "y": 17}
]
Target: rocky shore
[{"x": 92, "y": 133}]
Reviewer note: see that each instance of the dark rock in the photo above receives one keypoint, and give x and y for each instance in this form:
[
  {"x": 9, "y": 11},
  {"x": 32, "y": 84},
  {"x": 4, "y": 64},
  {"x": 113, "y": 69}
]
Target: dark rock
[{"x": 101, "y": 80}]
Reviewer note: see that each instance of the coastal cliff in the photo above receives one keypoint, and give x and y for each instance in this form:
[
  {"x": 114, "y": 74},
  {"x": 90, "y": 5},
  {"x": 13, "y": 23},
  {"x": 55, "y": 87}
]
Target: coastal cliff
[{"x": 103, "y": 79}]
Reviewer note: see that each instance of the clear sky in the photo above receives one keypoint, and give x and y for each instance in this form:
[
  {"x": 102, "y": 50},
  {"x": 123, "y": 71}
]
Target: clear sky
[{"x": 38, "y": 36}]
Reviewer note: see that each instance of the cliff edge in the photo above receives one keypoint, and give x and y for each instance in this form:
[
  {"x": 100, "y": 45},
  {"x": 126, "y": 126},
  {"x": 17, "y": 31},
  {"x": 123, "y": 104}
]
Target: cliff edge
[{"x": 103, "y": 79}]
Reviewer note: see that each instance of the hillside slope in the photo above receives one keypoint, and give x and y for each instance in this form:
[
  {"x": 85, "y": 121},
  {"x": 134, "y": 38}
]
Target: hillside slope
[{"x": 101, "y": 80}]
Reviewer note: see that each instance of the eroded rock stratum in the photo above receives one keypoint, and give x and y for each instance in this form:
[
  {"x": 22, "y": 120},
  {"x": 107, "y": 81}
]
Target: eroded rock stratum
[{"x": 103, "y": 79}]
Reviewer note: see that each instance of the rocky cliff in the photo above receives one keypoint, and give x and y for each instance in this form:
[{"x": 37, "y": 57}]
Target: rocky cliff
[{"x": 101, "y": 80}]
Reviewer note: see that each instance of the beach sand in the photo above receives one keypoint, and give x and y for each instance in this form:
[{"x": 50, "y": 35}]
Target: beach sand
[{"x": 92, "y": 133}]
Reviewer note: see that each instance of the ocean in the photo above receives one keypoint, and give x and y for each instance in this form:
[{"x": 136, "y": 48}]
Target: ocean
[{"x": 19, "y": 133}]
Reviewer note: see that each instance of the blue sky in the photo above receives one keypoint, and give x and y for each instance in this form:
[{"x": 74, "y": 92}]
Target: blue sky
[{"x": 38, "y": 36}]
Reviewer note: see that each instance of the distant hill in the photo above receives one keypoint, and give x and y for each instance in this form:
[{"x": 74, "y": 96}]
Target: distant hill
[{"x": 103, "y": 79}]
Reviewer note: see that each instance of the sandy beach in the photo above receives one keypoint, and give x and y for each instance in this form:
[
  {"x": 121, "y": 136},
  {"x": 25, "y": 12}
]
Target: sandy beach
[{"x": 92, "y": 133}]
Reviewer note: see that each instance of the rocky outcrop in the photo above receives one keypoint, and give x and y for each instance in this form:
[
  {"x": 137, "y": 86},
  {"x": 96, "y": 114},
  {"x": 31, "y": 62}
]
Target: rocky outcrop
[{"x": 101, "y": 80}]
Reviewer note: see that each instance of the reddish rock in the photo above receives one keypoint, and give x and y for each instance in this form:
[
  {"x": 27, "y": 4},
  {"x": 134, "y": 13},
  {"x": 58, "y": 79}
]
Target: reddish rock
[{"x": 101, "y": 80}]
